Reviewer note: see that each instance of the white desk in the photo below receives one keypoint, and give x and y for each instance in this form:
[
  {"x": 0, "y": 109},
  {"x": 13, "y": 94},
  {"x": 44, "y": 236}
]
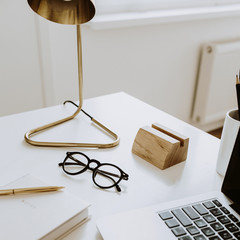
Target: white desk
[{"x": 123, "y": 114}]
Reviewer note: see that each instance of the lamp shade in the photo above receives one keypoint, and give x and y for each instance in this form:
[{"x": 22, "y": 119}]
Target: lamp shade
[{"x": 73, "y": 12}]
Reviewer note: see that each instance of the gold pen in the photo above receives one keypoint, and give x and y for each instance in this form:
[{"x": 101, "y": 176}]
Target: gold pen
[{"x": 29, "y": 190}]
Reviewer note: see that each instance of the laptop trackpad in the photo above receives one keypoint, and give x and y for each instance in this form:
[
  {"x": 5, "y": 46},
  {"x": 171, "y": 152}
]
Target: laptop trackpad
[{"x": 138, "y": 224}]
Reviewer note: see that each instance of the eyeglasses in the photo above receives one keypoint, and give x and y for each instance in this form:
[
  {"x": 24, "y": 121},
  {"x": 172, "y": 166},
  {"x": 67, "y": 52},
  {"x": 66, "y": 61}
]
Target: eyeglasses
[{"x": 105, "y": 175}]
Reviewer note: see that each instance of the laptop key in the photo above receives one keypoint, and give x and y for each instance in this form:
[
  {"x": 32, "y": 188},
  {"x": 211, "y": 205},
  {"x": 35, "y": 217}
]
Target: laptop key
[
  {"x": 233, "y": 218},
  {"x": 185, "y": 238},
  {"x": 217, "y": 203},
  {"x": 200, "y": 223},
  {"x": 191, "y": 213},
  {"x": 165, "y": 215},
  {"x": 199, "y": 237},
  {"x": 208, "y": 205},
  {"x": 215, "y": 238},
  {"x": 225, "y": 235},
  {"x": 182, "y": 218},
  {"x": 171, "y": 223},
  {"x": 193, "y": 230},
  {"x": 232, "y": 227},
  {"x": 224, "y": 210},
  {"x": 237, "y": 235},
  {"x": 209, "y": 218},
  {"x": 200, "y": 209},
  {"x": 217, "y": 226},
  {"x": 178, "y": 231},
  {"x": 207, "y": 231},
  {"x": 215, "y": 212},
  {"x": 223, "y": 219}
]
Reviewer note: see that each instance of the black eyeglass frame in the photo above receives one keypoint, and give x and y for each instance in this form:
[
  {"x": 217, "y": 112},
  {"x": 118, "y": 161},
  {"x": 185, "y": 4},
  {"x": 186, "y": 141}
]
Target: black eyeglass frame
[{"x": 95, "y": 170}]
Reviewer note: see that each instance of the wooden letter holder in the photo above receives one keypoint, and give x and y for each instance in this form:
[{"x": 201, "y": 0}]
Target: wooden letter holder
[{"x": 160, "y": 146}]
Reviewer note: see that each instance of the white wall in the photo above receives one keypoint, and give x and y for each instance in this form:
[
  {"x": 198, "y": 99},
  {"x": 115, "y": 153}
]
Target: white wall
[
  {"x": 157, "y": 63},
  {"x": 21, "y": 86}
]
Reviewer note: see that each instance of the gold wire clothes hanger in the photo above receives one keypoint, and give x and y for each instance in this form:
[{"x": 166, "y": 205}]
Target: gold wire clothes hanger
[{"x": 72, "y": 12}]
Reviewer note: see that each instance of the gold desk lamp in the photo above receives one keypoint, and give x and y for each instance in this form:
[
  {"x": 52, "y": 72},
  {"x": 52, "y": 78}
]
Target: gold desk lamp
[{"x": 72, "y": 12}]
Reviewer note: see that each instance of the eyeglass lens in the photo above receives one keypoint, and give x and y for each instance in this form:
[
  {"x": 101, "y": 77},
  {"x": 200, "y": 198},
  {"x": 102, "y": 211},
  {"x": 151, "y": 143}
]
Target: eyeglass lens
[
  {"x": 75, "y": 163},
  {"x": 106, "y": 175}
]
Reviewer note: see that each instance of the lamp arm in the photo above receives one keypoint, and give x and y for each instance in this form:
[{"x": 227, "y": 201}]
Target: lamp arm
[{"x": 80, "y": 72}]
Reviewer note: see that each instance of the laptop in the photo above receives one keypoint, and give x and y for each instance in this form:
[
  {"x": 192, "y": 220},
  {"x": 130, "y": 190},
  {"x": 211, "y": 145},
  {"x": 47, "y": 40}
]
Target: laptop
[{"x": 210, "y": 216}]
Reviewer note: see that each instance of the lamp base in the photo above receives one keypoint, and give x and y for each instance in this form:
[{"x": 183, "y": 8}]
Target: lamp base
[{"x": 32, "y": 132}]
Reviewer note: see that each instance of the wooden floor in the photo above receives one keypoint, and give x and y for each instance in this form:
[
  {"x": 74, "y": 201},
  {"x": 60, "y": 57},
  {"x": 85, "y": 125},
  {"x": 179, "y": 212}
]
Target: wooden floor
[{"x": 217, "y": 133}]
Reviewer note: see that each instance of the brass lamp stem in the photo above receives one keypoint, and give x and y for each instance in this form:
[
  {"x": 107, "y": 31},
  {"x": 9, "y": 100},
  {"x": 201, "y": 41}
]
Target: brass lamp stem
[
  {"x": 32, "y": 132},
  {"x": 80, "y": 72}
]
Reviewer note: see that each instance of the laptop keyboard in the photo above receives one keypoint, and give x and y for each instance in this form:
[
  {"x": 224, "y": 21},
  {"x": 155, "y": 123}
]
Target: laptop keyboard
[{"x": 208, "y": 220}]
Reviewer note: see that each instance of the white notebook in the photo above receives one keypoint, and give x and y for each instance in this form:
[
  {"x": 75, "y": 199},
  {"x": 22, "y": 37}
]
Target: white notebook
[{"x": 39, "y": 215}]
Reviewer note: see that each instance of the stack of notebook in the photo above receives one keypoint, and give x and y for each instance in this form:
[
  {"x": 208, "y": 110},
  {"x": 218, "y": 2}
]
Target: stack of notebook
[{"x": 39, "y": 215}]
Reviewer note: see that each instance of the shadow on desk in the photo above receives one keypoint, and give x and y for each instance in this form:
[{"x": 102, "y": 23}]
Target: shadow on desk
[{"x": 169, "y": 176}]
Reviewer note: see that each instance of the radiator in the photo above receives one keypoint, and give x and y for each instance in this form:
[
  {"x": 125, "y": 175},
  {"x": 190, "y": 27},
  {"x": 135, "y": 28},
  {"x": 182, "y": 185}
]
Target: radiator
[{"x": 215, "y": 91}]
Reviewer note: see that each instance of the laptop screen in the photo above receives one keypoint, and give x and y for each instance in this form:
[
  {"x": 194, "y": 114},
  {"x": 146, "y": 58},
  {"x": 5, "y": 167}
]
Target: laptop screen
[{"x": 231, "y": 183}]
